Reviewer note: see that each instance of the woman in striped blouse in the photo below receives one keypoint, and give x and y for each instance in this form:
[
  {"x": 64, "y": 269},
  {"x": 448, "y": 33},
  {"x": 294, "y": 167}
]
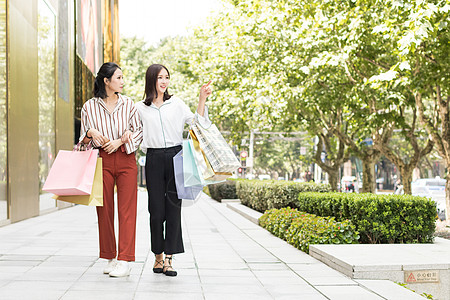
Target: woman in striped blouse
[{"x": 111, "y": 123}]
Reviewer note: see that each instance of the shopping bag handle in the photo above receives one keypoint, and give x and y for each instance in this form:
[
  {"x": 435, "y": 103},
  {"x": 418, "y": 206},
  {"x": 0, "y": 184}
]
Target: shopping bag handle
[
  {"x": 82, "y": 146},
  {"x": 196, "y": 122}
]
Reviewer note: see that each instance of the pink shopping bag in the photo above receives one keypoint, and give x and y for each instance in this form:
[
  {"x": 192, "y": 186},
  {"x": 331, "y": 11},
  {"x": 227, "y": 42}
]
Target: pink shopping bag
[{"x": 72, "y": 173}]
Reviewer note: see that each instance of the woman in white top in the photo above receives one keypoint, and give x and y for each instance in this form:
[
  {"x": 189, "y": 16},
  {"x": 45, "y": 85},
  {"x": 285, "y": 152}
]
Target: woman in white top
[{"x": 163, "y": 118}]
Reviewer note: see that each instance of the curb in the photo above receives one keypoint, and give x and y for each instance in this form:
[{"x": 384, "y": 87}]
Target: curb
[{"x": 246, "y": 212}]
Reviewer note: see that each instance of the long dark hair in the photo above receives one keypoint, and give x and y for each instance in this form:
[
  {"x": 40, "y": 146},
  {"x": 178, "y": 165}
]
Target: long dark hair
[
  {"x": 106, "y": 71},
  {"x": 151, "y": 76}
]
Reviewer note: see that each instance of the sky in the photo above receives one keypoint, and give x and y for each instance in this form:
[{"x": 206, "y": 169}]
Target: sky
[{"x": 153, "y": 20}]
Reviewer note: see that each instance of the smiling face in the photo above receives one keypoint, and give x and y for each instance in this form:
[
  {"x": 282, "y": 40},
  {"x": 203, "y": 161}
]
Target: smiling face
[
  {"x": 115, "y": 83},
  {"x": 162, "y": 81}
]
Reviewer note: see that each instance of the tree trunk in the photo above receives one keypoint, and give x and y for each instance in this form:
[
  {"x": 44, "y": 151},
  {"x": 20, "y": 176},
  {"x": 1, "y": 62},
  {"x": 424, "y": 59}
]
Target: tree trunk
[
  {"x": 333, "y": 177},
  {"x": 406, "y": 174},
  {"x": 447, "y": 195},
  {"x": 335, "y": 159},
  {"x": 368, "y": 174}
]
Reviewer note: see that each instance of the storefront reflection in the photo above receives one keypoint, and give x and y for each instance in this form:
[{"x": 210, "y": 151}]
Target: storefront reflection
[
  {"x": 3, "y": 116},
  {"x": 46, "y": 64}
]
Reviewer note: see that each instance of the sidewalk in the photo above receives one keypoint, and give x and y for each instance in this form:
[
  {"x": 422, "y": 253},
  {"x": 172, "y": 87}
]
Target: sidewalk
[{"x": 227, "y": 257}]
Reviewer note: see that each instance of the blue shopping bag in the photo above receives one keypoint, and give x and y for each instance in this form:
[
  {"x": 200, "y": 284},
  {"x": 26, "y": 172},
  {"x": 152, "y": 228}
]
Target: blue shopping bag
[
  {"x": 195, "y": 167},
  {"x": 190, "y": 170},
  {"x": 184, "y": 192}
]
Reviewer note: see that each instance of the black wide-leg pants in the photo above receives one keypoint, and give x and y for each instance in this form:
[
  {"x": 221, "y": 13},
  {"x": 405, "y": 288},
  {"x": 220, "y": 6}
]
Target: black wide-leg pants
[{"x": 163, "y": 203}]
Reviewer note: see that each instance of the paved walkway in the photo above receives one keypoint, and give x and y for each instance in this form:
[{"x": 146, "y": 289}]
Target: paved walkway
[{"x": 227, "y": 257}]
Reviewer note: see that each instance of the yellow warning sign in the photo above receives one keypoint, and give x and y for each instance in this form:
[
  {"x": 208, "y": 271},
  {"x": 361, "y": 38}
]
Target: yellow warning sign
[{"x": 423, "y": 276}]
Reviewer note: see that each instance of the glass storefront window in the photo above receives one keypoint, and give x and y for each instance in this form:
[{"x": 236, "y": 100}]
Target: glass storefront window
[
  {"x": 47, "y": 98},
  {"x": 3, "y": 116}
]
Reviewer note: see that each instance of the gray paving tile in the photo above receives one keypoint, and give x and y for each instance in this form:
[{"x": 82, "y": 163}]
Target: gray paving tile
[
  {"x": 234, "y": 289},
  {"x": 96, "y": 295},
  {"x": 167, "y": 296},
  {"x": 348, "y": 293},
  {"x": 15, "y": 269},
  {"x": 222, "y": 265},
  {"x": 112, "y": 285},
  {"x": 171, "y": 286},
  {"x": 31, "y": 294},
  {"x": 329, "y": 280},
  {"x": 301, "y": 296},
  {"x": 19, "y": 263},
  {"x": 24, "y": 257},
  {"x": 80, "y": 258},
  {"x": 275, "y": 273},
  {"x": 161, "y": 278},
  {"x": 37, "y": 285},
  {"x": 249, "y": 281},
  {"x": 270, "y": 280},
  {"x": 290, "y": 289},
  {"x": 389, "y": 289},
  {"x": 237, "y": 296},
  {"x": 228, "y": 273},
  {"x": 55, "y": 264},
  {"x": 268, "y": 266}
]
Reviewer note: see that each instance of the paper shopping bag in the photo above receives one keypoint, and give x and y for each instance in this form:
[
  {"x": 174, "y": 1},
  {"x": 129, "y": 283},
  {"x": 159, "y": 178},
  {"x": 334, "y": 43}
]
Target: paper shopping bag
[
  {"x": 216, "y": 149},
  {"x": 184, "y": 192},
  {"x": 208, "y": 173},
  {"x": 96, "y": 196},
  {"x": 72, "y": 173}
]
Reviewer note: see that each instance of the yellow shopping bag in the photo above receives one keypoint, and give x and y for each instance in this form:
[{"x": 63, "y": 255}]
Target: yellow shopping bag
[{"x": 96, "y": 196}]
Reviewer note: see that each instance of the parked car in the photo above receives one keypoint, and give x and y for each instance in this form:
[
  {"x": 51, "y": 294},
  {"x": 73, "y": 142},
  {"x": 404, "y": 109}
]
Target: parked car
[
  {"x": 433, "y": 188},
  {"x": 250, "y": 176},
  {"x": 264, "y": 177}
]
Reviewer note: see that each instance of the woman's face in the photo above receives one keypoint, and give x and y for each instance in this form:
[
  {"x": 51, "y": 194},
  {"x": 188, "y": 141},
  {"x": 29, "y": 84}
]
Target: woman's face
[
  {"x": 115, "y": 83},
  {"x": 162, "y": 82}
]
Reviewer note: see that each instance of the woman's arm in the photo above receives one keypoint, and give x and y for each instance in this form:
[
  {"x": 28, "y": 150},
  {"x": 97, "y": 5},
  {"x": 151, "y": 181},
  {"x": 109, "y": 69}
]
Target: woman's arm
[
  {"x": 133, "y": 137},
  {"x": 89, "y": 134},
  {"x": 205, "y": 91}
]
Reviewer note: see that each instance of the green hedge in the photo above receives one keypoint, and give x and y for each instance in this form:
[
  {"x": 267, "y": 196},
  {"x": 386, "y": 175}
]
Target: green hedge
[
  {"x": 223, "y": 190},
  {"x": 378, "y": 218},
  {"x": 262, "y": 195},
  {"x": 302, "y": 229}
]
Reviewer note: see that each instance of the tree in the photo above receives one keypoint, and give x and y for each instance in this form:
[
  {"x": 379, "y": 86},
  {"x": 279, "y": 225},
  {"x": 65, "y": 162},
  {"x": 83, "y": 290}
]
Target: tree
[
  {"x": 134, "y": 54},
  {"x": 338, "y": 69},
  {"x": 407, "y": 150},
  {"x": 420, "y": 31}
]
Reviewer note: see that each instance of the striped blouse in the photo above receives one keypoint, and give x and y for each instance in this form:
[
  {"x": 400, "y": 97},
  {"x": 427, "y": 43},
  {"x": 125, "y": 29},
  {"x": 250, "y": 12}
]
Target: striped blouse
[{"x": 94, "y": 114}]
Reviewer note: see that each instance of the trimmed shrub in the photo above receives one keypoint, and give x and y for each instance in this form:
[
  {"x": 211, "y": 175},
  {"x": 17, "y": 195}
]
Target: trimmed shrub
[
  {"x": 262, "y": 195},
  {"x": 302, "y": 229},
  {"x": 378, "y": 218},
  {"x": 223, "y": 190}
]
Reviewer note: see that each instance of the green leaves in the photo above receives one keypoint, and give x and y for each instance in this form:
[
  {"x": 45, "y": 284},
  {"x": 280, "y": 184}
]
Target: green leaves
[
  {"x": 263, "y": 195},
  {"x": 302, "y": 229},
  {"x": 378, "y": 218}
]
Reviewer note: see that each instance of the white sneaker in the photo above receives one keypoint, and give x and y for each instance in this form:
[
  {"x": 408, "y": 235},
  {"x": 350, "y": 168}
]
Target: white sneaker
[
  {"x": 110, "y": 266},
  {"x": 122, "y": 269}
]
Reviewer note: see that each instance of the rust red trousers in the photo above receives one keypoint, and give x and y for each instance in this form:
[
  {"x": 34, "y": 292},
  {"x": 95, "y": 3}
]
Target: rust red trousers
[{"x": 119, "y": 168}]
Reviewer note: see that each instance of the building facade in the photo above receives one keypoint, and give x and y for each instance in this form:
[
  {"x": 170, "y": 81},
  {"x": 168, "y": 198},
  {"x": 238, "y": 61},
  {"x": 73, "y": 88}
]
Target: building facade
[{"x": 50, "y": 51}]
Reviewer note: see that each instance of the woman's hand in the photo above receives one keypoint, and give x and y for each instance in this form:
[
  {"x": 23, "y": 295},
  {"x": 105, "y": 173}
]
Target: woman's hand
[
  {"x": 205, "y": 91},
  {"x": 98, "y": 139},
  {"x": 126, "y": 137},
  {"x": 112, "y": 146}
]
